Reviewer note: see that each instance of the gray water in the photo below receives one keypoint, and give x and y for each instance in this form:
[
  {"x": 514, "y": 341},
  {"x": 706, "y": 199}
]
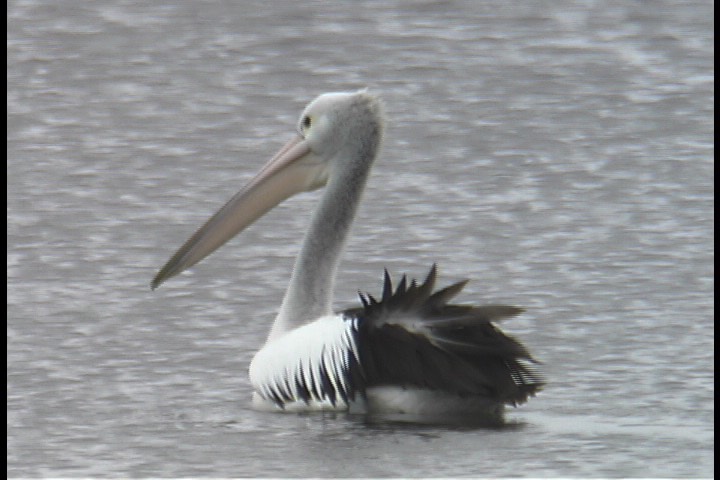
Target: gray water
[{"x": 557, "y": 153}]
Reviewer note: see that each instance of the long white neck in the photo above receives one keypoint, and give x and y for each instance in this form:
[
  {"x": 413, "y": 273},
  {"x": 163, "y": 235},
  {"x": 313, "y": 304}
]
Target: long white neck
[{"x": 310, "y": 293}]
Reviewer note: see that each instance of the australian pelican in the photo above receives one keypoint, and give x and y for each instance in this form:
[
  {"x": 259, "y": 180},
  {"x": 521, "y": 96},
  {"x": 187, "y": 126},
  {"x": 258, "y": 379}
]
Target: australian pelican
[{"x": 409, "y": 351}]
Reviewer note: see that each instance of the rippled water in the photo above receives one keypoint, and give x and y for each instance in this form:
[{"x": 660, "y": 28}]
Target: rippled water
[{"x": 559, "y": 154}]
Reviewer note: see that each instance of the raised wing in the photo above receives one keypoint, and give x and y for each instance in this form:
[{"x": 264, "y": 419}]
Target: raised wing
[{"x": 410, "y": 338}]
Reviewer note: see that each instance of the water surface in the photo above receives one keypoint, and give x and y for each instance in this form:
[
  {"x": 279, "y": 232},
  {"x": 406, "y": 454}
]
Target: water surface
[{"x": 559, "y": 154}]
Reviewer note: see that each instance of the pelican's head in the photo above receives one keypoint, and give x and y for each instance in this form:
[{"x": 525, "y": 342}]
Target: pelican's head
[
  {"x": 338, "y": 121},
  {"x": 337, "y": 133}
]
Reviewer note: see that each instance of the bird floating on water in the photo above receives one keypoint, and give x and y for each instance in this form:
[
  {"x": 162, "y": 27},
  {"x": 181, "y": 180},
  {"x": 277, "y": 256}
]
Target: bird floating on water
[{"x": 408, "y": 352}]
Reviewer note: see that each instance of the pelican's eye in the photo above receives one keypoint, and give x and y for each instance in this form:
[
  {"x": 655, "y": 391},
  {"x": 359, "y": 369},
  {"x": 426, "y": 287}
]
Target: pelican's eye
[{"x": 306, "y": 122}]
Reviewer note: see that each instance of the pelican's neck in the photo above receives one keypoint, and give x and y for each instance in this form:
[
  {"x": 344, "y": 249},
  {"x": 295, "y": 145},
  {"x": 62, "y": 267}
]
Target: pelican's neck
[{"x": 310, "y": 293}]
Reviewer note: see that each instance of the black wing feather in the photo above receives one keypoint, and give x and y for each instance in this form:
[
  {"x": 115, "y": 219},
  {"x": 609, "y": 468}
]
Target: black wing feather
[{"x": 414, "y": 338}]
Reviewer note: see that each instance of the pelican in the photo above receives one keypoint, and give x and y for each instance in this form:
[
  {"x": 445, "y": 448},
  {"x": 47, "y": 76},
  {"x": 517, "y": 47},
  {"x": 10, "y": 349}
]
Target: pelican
[{"x": 410, "y": 352}]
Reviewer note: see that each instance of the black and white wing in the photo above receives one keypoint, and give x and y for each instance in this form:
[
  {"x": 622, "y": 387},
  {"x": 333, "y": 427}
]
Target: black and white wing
[{"x": 410, "y": 338}]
